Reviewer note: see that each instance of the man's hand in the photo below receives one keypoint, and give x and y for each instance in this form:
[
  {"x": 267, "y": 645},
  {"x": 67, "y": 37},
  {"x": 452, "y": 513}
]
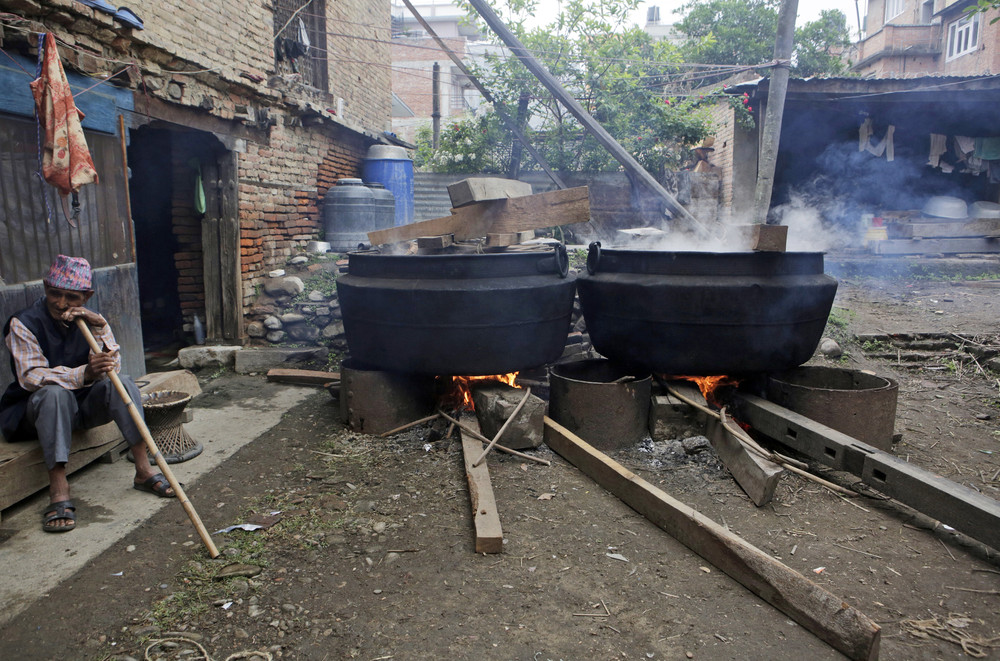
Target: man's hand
[
  {"x": 98, "y": 365},
  {"x": 93, "y": 319}
]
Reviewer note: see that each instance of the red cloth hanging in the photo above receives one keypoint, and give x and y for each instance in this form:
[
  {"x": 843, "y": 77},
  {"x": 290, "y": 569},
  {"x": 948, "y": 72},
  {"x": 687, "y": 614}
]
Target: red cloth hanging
[{"x": 66, "y": 161}]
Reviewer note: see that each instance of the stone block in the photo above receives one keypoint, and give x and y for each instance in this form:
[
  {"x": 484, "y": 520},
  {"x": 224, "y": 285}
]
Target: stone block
[
  {"x": 197, "y": 357},
  {"x": 495, "y": 402},
  {"x": 261, "y": 359}
]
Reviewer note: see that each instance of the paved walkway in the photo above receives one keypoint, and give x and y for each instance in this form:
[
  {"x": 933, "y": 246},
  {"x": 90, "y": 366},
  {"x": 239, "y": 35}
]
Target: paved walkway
[{"x": 34, "y": 562}]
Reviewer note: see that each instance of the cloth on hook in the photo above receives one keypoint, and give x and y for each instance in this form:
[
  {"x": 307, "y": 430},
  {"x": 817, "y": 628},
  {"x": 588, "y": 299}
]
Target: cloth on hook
[
  {"x": 964, "y": 145},
  {"x": 939, "y": 145},
  {"x": 66, "y": 160},
  {"x": 864, "y": 134},
  {"x": 884, "y": 146}
]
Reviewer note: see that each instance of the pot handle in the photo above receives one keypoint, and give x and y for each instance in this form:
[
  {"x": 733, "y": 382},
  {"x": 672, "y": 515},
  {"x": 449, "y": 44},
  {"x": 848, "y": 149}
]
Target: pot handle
[
  {"x": 559, "y": 259},
  {"x": 594, "y": 257}
]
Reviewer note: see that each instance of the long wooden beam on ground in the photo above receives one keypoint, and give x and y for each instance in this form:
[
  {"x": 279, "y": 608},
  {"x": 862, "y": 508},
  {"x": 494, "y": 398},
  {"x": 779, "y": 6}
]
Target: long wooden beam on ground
[
  {"x": 516, "y": 214},
  {"x": 485, "y": 516},
  {"x": 960, "y": 507},
  {"x": 828, "y": 617}
]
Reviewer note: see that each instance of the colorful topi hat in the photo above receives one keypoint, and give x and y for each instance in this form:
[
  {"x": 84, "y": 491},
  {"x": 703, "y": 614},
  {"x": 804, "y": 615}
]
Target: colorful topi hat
[{"x": 72, "y": 273}]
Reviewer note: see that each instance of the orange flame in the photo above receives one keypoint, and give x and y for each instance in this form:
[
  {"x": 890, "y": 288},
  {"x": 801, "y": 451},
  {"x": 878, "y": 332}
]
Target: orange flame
[
  {"x": 709, "y": 385},
  {"x": 461, "y": 390}
]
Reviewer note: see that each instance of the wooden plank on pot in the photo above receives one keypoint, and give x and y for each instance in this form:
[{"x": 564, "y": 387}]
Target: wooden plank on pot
[
  {"x": 489, "y": 534},
  {"x": 830, "y": 618},
  {"x": 928, "y": 246},
  {"x": 962, "y": 508},
  {"x": 558, "y": 207},
  {"x": 425, "y": 243},
  {"x": 484, "y": 189},
  {"x": 302, "y": 377},
  {"x": 495, "y": 240}
]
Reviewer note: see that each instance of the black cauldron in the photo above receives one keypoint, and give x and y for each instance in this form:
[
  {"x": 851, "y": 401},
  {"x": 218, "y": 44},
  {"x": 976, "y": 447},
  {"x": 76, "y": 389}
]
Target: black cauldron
[
  {"x": 461, "y": 314},
  {"x": 702, "y": 313}
]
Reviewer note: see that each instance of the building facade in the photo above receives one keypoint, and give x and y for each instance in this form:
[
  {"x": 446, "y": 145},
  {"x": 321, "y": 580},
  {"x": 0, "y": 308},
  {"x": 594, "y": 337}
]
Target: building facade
[
  {"x": 911, "y": 38},
  {"x": 224, "y": 124}
]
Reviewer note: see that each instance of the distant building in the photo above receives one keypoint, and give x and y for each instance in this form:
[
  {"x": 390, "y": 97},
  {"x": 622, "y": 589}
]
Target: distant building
[
  {"x": 910, "y": 38},
  {"x": 414, "y": 55},
  {"x": 659, "y": 30}
]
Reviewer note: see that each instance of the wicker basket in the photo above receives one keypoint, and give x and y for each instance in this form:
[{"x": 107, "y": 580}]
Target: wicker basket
[{"x": 164, "y": 413}]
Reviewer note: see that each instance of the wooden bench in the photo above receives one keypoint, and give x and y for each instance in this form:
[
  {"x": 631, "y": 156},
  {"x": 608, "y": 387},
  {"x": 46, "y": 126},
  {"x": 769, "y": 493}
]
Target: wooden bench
[{"x": 22, "y": 466}]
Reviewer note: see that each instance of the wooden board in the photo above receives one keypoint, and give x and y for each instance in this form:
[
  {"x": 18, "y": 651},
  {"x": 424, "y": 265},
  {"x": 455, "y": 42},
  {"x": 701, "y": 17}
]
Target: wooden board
[
  {"x": 966, "y": 228},
  {"x": 960, "y": 507},
  {"x": 930, "y": 246},
  {"x": 828, "y": 617},
  {"x": 757, "y": 476},
  {"x": 559, "y": 207},
  {"x": 489, "y": 534},
  {"x": 484, "y": 189},
  {"x": 302, "y": 377}
]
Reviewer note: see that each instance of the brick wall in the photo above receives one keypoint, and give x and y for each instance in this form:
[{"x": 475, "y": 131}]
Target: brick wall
[{"x": 281, "y": 189}]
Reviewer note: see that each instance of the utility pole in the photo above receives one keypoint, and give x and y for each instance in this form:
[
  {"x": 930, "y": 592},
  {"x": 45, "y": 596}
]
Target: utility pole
[
  {"x": 777, "y": 89},
  {"x": 436, "y": 105}
]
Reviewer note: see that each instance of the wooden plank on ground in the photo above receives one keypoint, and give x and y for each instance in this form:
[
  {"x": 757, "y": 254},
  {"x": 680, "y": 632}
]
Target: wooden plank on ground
[
  {"x": 830, "y": 618},
  {"x": 962, "y": 508},
  {"x": 933, "y": 246},
  {"x": 489, "y": 534},
  {"x": 484, "y": 189},
  {"x": 558, "y": 207},
  {"x": 757, "y": 476},
  {"x": 302, "y": 377}
]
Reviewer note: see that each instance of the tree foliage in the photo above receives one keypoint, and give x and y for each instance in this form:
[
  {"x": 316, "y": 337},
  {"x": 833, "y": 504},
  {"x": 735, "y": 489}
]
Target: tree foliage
[
  {"x": 613, "y": 69},
  {"x": 742, "y": 32}
]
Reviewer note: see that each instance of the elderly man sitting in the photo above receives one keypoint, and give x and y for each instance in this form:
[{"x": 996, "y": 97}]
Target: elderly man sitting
[{"x": 61, "y": 385}]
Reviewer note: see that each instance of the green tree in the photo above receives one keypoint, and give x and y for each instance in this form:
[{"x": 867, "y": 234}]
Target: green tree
[
  {"x": 615, "y": 71},
  {"x": 742, "y": 32},
  {"x": 729, "y": 31},
  {"x": 818, "y": 45}
]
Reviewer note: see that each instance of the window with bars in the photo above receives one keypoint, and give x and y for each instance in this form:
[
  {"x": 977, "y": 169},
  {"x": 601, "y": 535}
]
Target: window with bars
[
  {"x": 963, "y": 36},
  {"x": 300, "y": 40},
  {"x": 893, "y": 8}
]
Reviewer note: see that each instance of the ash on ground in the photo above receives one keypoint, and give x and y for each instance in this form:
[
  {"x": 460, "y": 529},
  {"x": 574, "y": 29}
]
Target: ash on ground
[{"x": 693, "y": 451}]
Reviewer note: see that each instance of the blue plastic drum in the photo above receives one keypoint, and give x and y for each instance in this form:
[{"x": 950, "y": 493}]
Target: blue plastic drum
[{"x": 392, "y": 167}]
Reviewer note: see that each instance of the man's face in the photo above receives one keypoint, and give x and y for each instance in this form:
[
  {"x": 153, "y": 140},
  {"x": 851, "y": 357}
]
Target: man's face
[{"x": 59, "y": 300}]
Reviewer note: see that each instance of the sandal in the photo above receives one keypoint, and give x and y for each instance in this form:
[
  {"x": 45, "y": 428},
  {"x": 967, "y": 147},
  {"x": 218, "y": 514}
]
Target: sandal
[
  {"x": 64, "y": 510},
  {"x": 155, "y": 484}
]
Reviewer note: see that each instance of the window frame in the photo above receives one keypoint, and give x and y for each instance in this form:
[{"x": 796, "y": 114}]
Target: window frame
[
  {"x": 899, "y": 5},
  {"x": 967, "y": 29}
]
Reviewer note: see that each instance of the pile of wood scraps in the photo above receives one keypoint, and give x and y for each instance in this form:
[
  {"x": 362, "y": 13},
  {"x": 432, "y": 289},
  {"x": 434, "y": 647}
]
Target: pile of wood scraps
[
  {"x": 490, "y": 214},
  {"x": 911, "y": 233}
]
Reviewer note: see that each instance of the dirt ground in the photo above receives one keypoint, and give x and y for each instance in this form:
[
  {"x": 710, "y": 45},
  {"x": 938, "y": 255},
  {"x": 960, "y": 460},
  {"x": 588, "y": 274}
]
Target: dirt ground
[{"x": 372, "y": 556}]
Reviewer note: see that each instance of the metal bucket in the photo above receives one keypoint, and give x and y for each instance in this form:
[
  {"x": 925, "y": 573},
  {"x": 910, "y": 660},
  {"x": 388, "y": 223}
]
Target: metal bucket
[
  {"x": 858, "y": 404},
  {"x": 600, "y": 402}
]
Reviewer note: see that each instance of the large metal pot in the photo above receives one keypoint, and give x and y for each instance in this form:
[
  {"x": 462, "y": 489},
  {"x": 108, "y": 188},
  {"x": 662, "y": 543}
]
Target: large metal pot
[
  {"x": 700, "y": 313},
  {"x": 456, "y": 314}
]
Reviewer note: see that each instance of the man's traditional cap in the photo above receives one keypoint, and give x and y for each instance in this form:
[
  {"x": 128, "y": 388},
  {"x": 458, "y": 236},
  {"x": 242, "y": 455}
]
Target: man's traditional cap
[{"x": 72, "y": 273}]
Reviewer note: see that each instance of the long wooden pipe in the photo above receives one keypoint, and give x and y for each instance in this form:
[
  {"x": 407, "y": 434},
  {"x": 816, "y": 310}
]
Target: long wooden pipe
[{"x": 151, "y": 444}]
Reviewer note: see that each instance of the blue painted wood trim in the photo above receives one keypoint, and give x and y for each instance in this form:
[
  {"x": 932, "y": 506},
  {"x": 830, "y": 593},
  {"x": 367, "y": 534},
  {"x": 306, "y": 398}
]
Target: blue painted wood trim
[{"x": 101, "y": 105}]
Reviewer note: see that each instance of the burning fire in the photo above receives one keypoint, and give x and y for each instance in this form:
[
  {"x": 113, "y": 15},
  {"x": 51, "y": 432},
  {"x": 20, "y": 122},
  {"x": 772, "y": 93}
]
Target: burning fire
[
  {"x": 460, "y": 394},
  {"x": 708, "y": 385}
]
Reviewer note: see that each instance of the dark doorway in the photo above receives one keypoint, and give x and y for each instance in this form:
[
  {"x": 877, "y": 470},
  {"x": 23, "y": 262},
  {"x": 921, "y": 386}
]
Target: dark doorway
[{"x": 150, "y": 157}]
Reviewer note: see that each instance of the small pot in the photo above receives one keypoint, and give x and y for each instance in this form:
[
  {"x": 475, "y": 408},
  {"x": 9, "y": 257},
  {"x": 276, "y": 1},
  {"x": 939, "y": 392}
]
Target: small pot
[{"x": 944, "y": 206}]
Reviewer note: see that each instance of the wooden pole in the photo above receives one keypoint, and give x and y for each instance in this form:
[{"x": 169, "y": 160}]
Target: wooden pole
[
  {"x": 831, "y": 619},
  {"x": 130, "y": 230},
  {"x": 629, "y": 163},
  {"x": 775, "y": 109},
  {"x": 157, "y": 455},
  {"x": 502, "y": 448},
  {"x": 517, "y": 409}
]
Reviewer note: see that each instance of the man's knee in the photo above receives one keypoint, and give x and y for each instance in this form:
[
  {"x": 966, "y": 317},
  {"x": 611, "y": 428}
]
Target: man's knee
[{"x": 51, "y": 396}]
